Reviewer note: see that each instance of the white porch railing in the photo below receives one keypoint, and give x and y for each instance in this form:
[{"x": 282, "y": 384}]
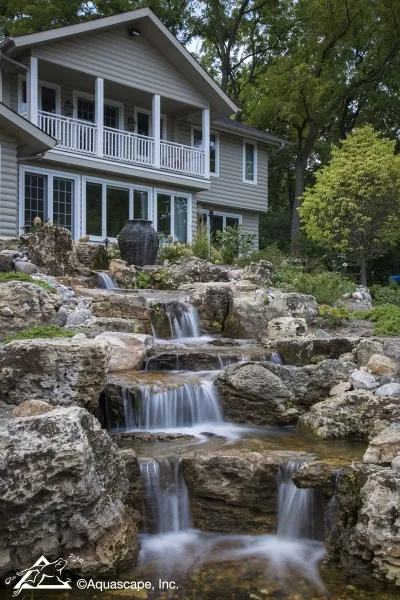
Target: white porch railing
[
  {"x": 128, "y": 147},
  {"x": 81, "y": 136},
  {"x": 184, "y": 159},
  {"x": 71, "y": 134}
]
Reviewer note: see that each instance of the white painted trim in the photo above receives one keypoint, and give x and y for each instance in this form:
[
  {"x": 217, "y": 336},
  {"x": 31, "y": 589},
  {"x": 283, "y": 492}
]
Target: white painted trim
[
  {"x": 156, "y": 117},
  {"x": 115, "y": 184},
  {"x": 146, "y": 111},
  {"x": 58, "y": 94},
  {"x": 205, "y": 127},
  {"x": 78, "y": 94},
  {"x": 50, "y": 174},
  {"x": 213, "y": 132},
  {"x": 32, "y": 90},
  {"x": 218, "y": 213},
  {"x": 255, "y": 159},
  {"x": 99, "y": 115},
  {"x": 173, "y": 193}
]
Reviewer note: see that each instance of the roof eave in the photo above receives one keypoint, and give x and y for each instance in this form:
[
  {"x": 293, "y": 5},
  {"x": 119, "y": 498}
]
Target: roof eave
[{"x": 251, "y": 135}]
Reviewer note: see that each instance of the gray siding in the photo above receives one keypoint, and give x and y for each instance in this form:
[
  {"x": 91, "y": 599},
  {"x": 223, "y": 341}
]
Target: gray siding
[
  {"x": 8, "y": 185},
  {"x": 115, "y": 56}
]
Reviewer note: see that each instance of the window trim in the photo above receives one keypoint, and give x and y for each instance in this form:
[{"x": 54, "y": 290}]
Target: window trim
[
  {"x": 41, "y": 83},
  {"x": 172, "y": 193},
  {"x": 146, "y": 111},
  {"x": 50, "y": 174},
  {"x": 116, "y": 184},
  {"x": 217, "y": 141},
  {"x": 85, "y": 96},
  {"x": 254, "y": 144},
  {"x": 21, "y": 79},
  {"x": 218, "y": 213}
]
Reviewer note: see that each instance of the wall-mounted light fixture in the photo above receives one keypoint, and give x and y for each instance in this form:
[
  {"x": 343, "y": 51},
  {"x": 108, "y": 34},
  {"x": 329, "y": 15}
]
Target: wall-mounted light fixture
[
  {"x": 68, "y": 108},
  {"x": 131, "y": 122},
  {"x": 133, "y": 32}
]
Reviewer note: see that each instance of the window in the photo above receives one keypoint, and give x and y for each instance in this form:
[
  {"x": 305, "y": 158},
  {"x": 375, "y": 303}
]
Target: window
[
  {"x": 218, "y": 221},
  {"x": 173, "y": 216},
  {"x": 86, "y": 110},
  {"x": 49, "y": 98},
  {"x": 22, "y": 95},
  {"x": 49, "y": 196},
  {"x": 111, "y": 116},
  {"x": 249, "y": 162},
  {"x": 144, "y": 123},
  {"x": 109, "y": 204},
  {"x": 197, "y": 142}
]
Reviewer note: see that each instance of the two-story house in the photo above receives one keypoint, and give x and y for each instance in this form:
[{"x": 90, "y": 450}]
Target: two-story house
[{"x": 142, "y": 132}]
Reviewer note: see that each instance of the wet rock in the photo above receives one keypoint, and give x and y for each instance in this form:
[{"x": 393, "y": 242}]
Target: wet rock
[
  {"x": 186, "y": 270},
  {"x": 319, "y": 474},
  {"x": 286, "y": 327},
  {"x": 127, "y": 351},
  {"x": 384, "y": 447},
  {"x": 25, "y": 267},
  {"x": 62, "y": 372},
  {"x": 212, "y": 302},
  {"x": 361, "y": 380},
  {"x": 30, "y": 408},
  {"x": 232, "y": 491},
  {"x": 365, "y": 349},
  {"x": 134, "y": 497},
  {"x": 124, "y": 275},
  {"x": 74, "y": 503},
  {"x": 381, "y": 365},
  {"x": 301, "y": 351},
  {"x": 389, "y": 389},
  {"x": 355, "y": 415},
  {"x": 123, "y": 306},
  {"x": 50, "y": 249},
  {"x": 25, "y": 304}
]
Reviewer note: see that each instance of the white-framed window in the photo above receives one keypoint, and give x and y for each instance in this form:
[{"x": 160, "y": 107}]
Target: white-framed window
[
  {"x": 250, "y": 162},
  {"x": 49, "y": 99},
  {"x": 218, "y": 221},
  {"x": 173, "y": 212},
  {"x": 197, "y": 142},
  {"x": 50, "y": 195},
  {"x": 107, "y": 204},
  {"x": 144, "y": 123},
  {"x": 85, "y": 110}
]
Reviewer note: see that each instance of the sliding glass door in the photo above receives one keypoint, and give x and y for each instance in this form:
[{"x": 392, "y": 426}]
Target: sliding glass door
[{"x": 173, "y": 216}]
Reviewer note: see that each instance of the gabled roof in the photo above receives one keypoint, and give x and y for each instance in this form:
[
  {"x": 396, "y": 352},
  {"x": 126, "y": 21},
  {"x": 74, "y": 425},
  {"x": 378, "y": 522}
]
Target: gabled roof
[
  {"x": 30, "y": 139},
  {"x": 160, "y": 36},
  {"x": 225, "y": 123}
]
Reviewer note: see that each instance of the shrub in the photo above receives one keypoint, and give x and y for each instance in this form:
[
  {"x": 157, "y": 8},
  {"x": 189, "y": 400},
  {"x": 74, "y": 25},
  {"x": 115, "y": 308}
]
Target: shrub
[
  {"x": 113, "y": 251},
  {"x": 13, "y": 276},
  {"x": 386, "y": 318},
  {"x": 334, "y": 316},
  {"x": 143, "y": 281},
  {"x": 201, "y": 243},
  {"x": 327, "y": 287},
  {"x": 174, "y": 251},
  {"x": 40, "y": 331},
  {"x": 233, "y": 242},
  {"x": 386, "y": 294},
  {"x": 272, "y": 253},
  {"x": 216, "y": 256}
]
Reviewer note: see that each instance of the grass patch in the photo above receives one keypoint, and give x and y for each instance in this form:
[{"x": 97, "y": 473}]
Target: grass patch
[
  {"x": 40, "y": 332},
  {"x": 14, "y": 276},
  {"x": 386, "y": 318},
  {"x": 335, "y": 317}
]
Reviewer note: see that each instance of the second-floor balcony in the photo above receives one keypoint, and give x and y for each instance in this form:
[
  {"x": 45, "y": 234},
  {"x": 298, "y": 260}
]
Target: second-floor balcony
[{"x": 84, "y": 137}]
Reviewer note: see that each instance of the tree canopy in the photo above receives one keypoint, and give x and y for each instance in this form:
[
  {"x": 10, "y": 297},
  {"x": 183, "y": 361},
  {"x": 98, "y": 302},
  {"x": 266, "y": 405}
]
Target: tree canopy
[{"x": 354, "y": 205}]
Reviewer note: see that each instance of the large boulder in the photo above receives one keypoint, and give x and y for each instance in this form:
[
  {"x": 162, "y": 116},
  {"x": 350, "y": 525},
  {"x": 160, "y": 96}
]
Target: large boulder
[
  {"x": 212, "y": 302},
  {"x": 186, "y": 270},
  {"x": 258, "y": 272},
  {"x": 25, "y": 304},
  {"x": 63, "y": 372},
  {"x": 62, "y": 493},
  {"x": 124, "y": 275},
  {"x": 384, "y": 447},
  {"x": 355, "y": 415},
  {"x": 7, "y": 260},
  {"x": 127, "y": 351},
  {"x": 302, "y": 351},
  {"x": 365, "y": 349},
  {"x": 267, "y": 393},
  {"x": 88, "y": 256},
  {"x": 286, "y": 327},
  {"x": 123, "y": 306},
  {"x": 50, "y": 249},
  {"x": 379, "y": 364},
  {"x": 233, "y": 491}
]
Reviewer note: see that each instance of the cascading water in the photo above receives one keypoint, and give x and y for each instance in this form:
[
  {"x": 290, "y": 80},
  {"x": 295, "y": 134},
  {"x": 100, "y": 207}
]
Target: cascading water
[
  {"x": 183, "y": 319},
  {"x": 106, "y": 282},
  {"x": 166, "y": 506}
]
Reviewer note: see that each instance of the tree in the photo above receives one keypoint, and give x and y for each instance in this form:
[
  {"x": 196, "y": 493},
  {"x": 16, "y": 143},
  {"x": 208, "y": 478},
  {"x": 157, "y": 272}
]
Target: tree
[
  {"x": 339, "y": 59},
  {"x": 354, "y": 205}
]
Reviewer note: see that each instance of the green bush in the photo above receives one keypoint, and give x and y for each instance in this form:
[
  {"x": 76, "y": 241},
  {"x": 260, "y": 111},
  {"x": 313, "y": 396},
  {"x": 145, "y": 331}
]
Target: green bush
[
  {"x": 233, "y": 242},
  {"x": 201, "y": 243},
  {"x": 386, "y": 318},
  {"x": 272, "y": 253},
  {"x": 386, "y": 294},
  {"x": 40, "y": 331},
  {"x": 174, "y": 251},
  {"x": 143, "y": 281},
  {"x": 13, "y": 276},
  {"x": 327, "y": 287},
  {"x": 113, "y": 251},
  {"x": 334, "y": 316}
]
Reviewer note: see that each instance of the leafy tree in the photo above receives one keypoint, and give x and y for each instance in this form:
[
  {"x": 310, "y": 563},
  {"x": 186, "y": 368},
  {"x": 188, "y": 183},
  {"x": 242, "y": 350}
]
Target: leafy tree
[
  {"x": 339, "y": 67},
  {"x": 354, "y": 205}
]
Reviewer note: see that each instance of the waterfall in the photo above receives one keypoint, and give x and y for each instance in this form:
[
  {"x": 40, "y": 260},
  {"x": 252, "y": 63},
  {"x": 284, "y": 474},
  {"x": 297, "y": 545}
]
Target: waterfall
[
  {"x": 295, "y": 506},
  {"x": 166, "y": 506},
  {"x": 129, "y": 413},
  {"x": 188, "y": 405},
  {"x": 106, "y": 281},
  {"x": 276, "y": 358},
  {"x": 183, "y": 319}
]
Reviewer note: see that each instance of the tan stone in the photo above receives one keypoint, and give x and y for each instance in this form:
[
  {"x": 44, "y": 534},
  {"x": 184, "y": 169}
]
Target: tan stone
[
  {"x": 340, "y": 388},
  {"x": 381, "y": 365},
  {"x": 287, "y": 327},
  {"x": 124, "y": 275},
  {"x": 30, "y": 408},
  {"x": 127, "y": 350}
]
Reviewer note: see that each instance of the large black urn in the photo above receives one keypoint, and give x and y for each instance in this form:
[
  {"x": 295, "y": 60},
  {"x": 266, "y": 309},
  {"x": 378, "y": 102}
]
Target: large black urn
[{"x": 138, "y": 242}]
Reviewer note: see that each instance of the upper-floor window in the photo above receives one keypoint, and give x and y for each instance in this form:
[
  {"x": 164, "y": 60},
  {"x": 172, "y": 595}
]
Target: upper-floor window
[
  {"x": 144, "y": 123},
  {"x": 249, "y": 162},
  {"x": 85, "y": 110},
  {"x": 49, "y": 96},
  {"x": 197, "y": 142}
]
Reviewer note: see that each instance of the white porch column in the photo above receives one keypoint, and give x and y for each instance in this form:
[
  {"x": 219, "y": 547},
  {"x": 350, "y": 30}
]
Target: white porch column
[
  {"x": 32, "y": 90},
  {"x": 205, "y": 128},
  {"x": 157, "y": 129},
  {"x": 99, "y": 108}
]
